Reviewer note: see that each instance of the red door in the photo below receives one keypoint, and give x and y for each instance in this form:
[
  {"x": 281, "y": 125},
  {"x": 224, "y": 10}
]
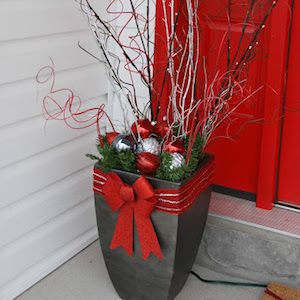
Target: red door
[
  {"x": 289, "y": 166},
  {"x": 249, "y": 161},
  {"x": 237, "y": 159}
]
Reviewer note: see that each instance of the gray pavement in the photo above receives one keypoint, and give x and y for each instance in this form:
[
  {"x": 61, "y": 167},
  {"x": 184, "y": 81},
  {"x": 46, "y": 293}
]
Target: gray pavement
[{"x": 84, "y": 277}]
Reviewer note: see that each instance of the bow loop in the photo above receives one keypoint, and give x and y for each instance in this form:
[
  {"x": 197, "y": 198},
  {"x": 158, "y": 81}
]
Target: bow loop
[
  {"x": 111, "y": 191},
  {"x": 143, "y": 189}
]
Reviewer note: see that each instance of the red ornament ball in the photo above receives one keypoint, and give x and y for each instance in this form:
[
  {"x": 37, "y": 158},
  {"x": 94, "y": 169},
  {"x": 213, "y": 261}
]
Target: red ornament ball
[
  {"x": 176, "y": 146},
  {"x": 144, "y": 128},
  {"x": 161, "y": 128},
  {"x": 147, "y": 163},
  {"x": 111, "y": 136}
]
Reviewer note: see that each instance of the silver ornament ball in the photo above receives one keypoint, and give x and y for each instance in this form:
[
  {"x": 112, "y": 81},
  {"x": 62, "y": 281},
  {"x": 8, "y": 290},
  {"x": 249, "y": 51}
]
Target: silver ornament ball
[
  {"x": 151, "y": 145},
  {"x": 123, "y": 142},
  {"x": 177, "y": 160}
]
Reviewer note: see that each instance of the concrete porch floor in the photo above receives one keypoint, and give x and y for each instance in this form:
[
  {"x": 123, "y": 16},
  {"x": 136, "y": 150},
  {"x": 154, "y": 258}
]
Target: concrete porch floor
[{"x": 84, "y": 277}]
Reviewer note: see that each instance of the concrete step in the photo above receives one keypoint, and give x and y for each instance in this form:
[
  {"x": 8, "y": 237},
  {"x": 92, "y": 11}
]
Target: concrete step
[{"x": 246, "y": 251}]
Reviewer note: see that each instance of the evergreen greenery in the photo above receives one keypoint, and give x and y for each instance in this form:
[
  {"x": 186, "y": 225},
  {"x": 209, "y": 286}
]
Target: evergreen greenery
[
  {"x": 93, "y": 157},
  {"x": 110, "y": 158},
  {"x": 165, "y": 172},
  {"x": 186, "y": 170}
]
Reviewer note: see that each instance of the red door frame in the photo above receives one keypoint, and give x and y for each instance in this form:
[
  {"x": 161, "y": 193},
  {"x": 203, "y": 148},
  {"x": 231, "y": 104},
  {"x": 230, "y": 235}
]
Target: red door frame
[
  {"x": 276, "y": 78},
  {"x": 289, "y": 162}
]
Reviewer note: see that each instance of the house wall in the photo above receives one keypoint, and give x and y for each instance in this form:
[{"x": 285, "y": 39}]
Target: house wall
[{"x": 46, "y": 200}]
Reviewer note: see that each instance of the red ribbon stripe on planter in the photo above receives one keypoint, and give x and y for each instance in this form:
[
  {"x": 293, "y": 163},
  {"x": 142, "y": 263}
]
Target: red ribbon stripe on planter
[{"x": 140, "y": 200}]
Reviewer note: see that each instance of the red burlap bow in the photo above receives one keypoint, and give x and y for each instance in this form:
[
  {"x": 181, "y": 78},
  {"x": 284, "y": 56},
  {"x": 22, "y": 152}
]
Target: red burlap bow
[{"x": 138, "y": 200}]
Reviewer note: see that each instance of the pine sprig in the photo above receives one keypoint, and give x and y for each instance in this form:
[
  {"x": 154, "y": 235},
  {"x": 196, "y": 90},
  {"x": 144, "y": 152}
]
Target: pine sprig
[
  {"x": 186, "y": 170},
  {"x": 197, "y": 147},
  {"x": 112, "y": 159},
  {"x": 127, "y": 161},
  {"x": 93, "y": 157},
  {"x": 196, "y": 154}
]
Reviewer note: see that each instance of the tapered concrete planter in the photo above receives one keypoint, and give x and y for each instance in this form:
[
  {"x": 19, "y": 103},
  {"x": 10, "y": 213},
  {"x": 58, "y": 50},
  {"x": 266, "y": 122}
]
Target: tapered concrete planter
[{"x": 179, "y": 236}]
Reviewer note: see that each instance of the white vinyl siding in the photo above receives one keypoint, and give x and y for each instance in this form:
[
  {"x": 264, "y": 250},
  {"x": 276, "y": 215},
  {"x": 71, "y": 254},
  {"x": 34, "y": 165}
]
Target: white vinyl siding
[
  {"x": 117, "y": 99},
  {"x": 46, "y": 198}
]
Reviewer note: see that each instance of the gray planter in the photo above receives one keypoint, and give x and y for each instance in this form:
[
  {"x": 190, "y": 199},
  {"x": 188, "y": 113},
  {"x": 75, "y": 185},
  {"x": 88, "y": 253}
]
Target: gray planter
[{"x": 179, "y": 237}]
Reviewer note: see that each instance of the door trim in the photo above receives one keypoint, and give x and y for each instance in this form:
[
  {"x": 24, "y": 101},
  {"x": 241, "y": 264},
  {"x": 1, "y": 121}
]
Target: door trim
[{"x": 277, "y": 64}]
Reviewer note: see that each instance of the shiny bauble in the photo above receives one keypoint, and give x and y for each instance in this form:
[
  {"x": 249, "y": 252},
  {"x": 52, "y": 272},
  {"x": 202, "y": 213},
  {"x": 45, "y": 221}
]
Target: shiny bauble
[
  {"x": 111, "y": 136},
  {"x": 161, "y": 128},
  {"x": 123, "y": 142},
  {"x": 147, "y": 163},
  {"x": 177, "y": 161},
  {"x": 144, "y": 128},
  {"x": 176, "y": 146},
  {"x": 151, "y": 145}
]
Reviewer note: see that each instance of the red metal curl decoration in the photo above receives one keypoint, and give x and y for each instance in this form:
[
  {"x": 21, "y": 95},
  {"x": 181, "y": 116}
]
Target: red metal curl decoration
[{"x": 64, "y": 105}]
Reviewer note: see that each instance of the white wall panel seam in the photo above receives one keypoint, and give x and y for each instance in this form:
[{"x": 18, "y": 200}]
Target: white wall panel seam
[
  {"x": 59, "y": 71},
  {"x": 61, "y": 154},
  {"x": 32, "y": 136},
  {"x": 34, "y": 210},
  {"x": 70, "y": 179},
  {"x": 75, "y": 221},
  {"x": 36, "y": 272},
  {"x": 55, "y": 36},
  {"x": 89, "y": 198}
]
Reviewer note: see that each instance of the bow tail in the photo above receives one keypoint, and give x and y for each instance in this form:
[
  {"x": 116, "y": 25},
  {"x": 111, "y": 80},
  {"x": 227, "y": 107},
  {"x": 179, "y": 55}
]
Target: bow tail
[
  {"x": 148, "y": 239},
  {"x": 123, "y": 235}
]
